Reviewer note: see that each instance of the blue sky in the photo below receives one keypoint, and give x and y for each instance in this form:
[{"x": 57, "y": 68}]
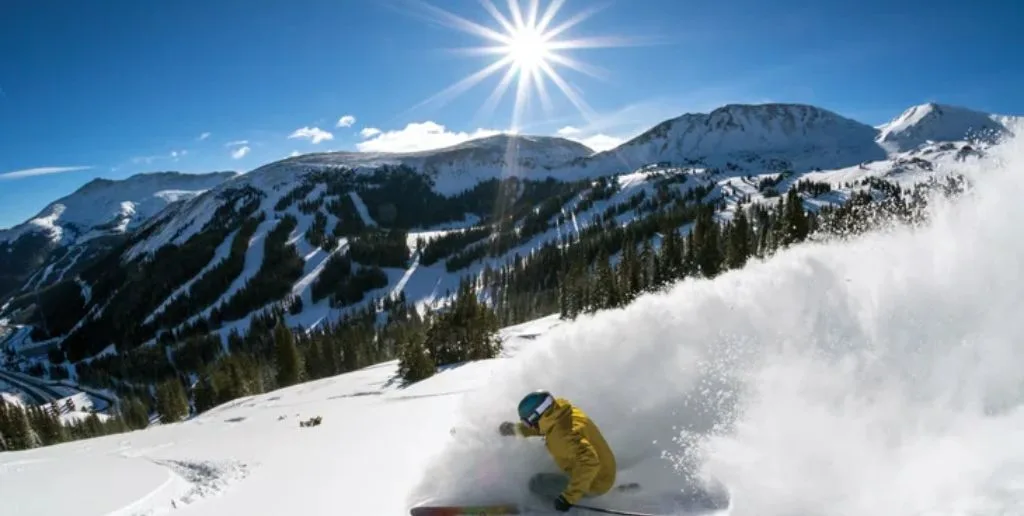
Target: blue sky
[{"x": 118, "y": 87}]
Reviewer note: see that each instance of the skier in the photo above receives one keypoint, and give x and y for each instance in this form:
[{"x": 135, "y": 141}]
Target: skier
[{"x": 574, "y": 443}]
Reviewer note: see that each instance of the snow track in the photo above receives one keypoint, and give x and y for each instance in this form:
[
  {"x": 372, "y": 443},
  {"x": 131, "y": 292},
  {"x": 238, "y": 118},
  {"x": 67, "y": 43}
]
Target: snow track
[{"x": 361, "y": 208}]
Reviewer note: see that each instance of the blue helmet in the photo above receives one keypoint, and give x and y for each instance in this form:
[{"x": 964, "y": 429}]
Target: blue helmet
[{"x": 533, "y": 405}]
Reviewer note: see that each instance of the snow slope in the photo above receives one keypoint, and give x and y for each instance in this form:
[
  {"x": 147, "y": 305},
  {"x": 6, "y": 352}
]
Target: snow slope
[
  {"x": 877, "y": 376},
  {"x": 104, "y": 206}
]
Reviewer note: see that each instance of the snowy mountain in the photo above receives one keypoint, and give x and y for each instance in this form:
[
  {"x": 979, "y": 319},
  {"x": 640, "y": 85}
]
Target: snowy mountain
[
  {"x": 779, "y": 136},
  {"x": 936, "y": 123},
  {"x": 71, "y": 229},
  {"x": 452, "y": 169},
  {"x": 105, "y": 206},
  {"x": 329, "y": 233}
]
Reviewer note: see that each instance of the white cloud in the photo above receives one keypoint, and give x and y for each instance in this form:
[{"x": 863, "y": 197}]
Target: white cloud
[
  {"x": 600, "y": 142},
  {"x": 416, "y": 137},
  {"x": 314, "y": 134},
  {"x": 40, "y": 171},
  {"x": 240, "y": 152},
  {"x": 369, "y": 132},
  {"x": 204, "y": 136},
  {"x": 293, "y": 154},
  {"x": 236, "y": 142},
  {"x": 346, "y": 121}
]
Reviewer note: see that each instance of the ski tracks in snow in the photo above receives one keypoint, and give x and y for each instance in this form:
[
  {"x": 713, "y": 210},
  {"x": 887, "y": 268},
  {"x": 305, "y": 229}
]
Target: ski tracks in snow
[{"x": 188, "y": 481}]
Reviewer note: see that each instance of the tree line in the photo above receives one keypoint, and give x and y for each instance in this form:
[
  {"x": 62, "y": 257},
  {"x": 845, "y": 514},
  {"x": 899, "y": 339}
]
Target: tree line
[{"x": 23, "y": 427}]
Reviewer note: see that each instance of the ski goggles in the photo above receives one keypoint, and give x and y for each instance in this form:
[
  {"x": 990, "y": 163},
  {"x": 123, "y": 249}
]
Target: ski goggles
[{"x": 534, "y": 416}]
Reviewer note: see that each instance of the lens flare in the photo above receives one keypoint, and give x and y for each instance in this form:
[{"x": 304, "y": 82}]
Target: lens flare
[{"x": 531, "y": 47}]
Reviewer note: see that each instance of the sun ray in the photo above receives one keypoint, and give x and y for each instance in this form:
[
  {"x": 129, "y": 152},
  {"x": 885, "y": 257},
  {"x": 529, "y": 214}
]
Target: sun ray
[
  {"x": 458, "y": 22},
  {"x": 468, "y": 82},
  {"x": 499, "y": 92},
  {"x": 549, "y": 15},
  {"x": 575, "y": 20},
  {"x": 526, "y": 42},
  {"x": 598, "y": 42},
  {"x": 531, "y": 17},
  {"x": 542, "y": 92},
  {"x": 591, "y": 70},
  {"x": 517, "y": 14},
  {"x": 498, "y": 16},
  {"x": 480, "y": 51},
  {"x": 569, "y": 92}
]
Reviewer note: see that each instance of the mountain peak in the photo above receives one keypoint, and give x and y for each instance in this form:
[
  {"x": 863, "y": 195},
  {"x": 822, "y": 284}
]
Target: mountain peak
[
  {"x": 933, "y": 121},
  {"x": 793, "y": 131},
  {"x": 520, "y": 142},
  {"x": 115, "y": 205}
]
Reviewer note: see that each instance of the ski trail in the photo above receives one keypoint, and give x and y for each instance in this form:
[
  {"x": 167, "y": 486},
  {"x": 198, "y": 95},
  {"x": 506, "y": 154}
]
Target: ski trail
[
  {"x": 408, "y": 274},
  {"x": 364, "y": 213},
  {"x": 219, "y": 255}
]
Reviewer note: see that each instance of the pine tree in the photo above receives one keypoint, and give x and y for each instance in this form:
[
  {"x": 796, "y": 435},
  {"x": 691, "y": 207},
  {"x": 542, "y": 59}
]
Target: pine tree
[
  {"x": 648, "y": 266},
  {"x": 134, "y": 413},
  {"x": 564, "y": 296},
  {"x": 415, "y": 363},
  {"x": 94, "y": 426},
  {"x": 204, "y": 395},
  {"x": 606, "y": 290},
  {"x": 738, "y": 241},
  {"x": 672, "y": 256},
  {"x": 466, "y": 331},
  {"x": 706, "y": 239},
  {"x": 289, "y": 367},
  {"x": 5, "y": 426},
  {"x": 47, "y": 425},
  {"x": 20, "y": 435},
  {"x": 628, "y": 275},
  {"x": 171, "y": 401},
  {"x": 796, "y": 224}
]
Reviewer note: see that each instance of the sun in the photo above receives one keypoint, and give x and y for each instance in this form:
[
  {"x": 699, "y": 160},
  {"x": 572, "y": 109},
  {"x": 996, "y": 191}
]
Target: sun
[
  {"x": 530, "y": 47},
  {"x": 528, "y": 50}
]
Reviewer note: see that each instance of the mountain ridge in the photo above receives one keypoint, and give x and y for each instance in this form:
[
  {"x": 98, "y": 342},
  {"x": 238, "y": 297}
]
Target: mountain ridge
[
  {"x": 135, "y": 189},
  {"x": 327, "y": 232},
  {"x": 922, "y": 118}
]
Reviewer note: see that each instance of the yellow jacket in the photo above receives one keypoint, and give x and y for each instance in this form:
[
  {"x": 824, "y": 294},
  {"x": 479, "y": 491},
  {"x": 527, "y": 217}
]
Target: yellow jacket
[{"x": 578, "y": 447}]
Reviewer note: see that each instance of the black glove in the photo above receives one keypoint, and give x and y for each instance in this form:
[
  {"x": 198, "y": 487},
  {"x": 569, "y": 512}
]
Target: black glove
[
  {"x": 507, "y": 428},
  {"x": 562, "y": 505}
]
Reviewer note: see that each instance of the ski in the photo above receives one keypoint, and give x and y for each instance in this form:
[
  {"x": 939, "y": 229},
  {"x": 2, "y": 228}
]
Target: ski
[
  {"x": 617, "y": 512},
  {"x": 465, "y": 510}
]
